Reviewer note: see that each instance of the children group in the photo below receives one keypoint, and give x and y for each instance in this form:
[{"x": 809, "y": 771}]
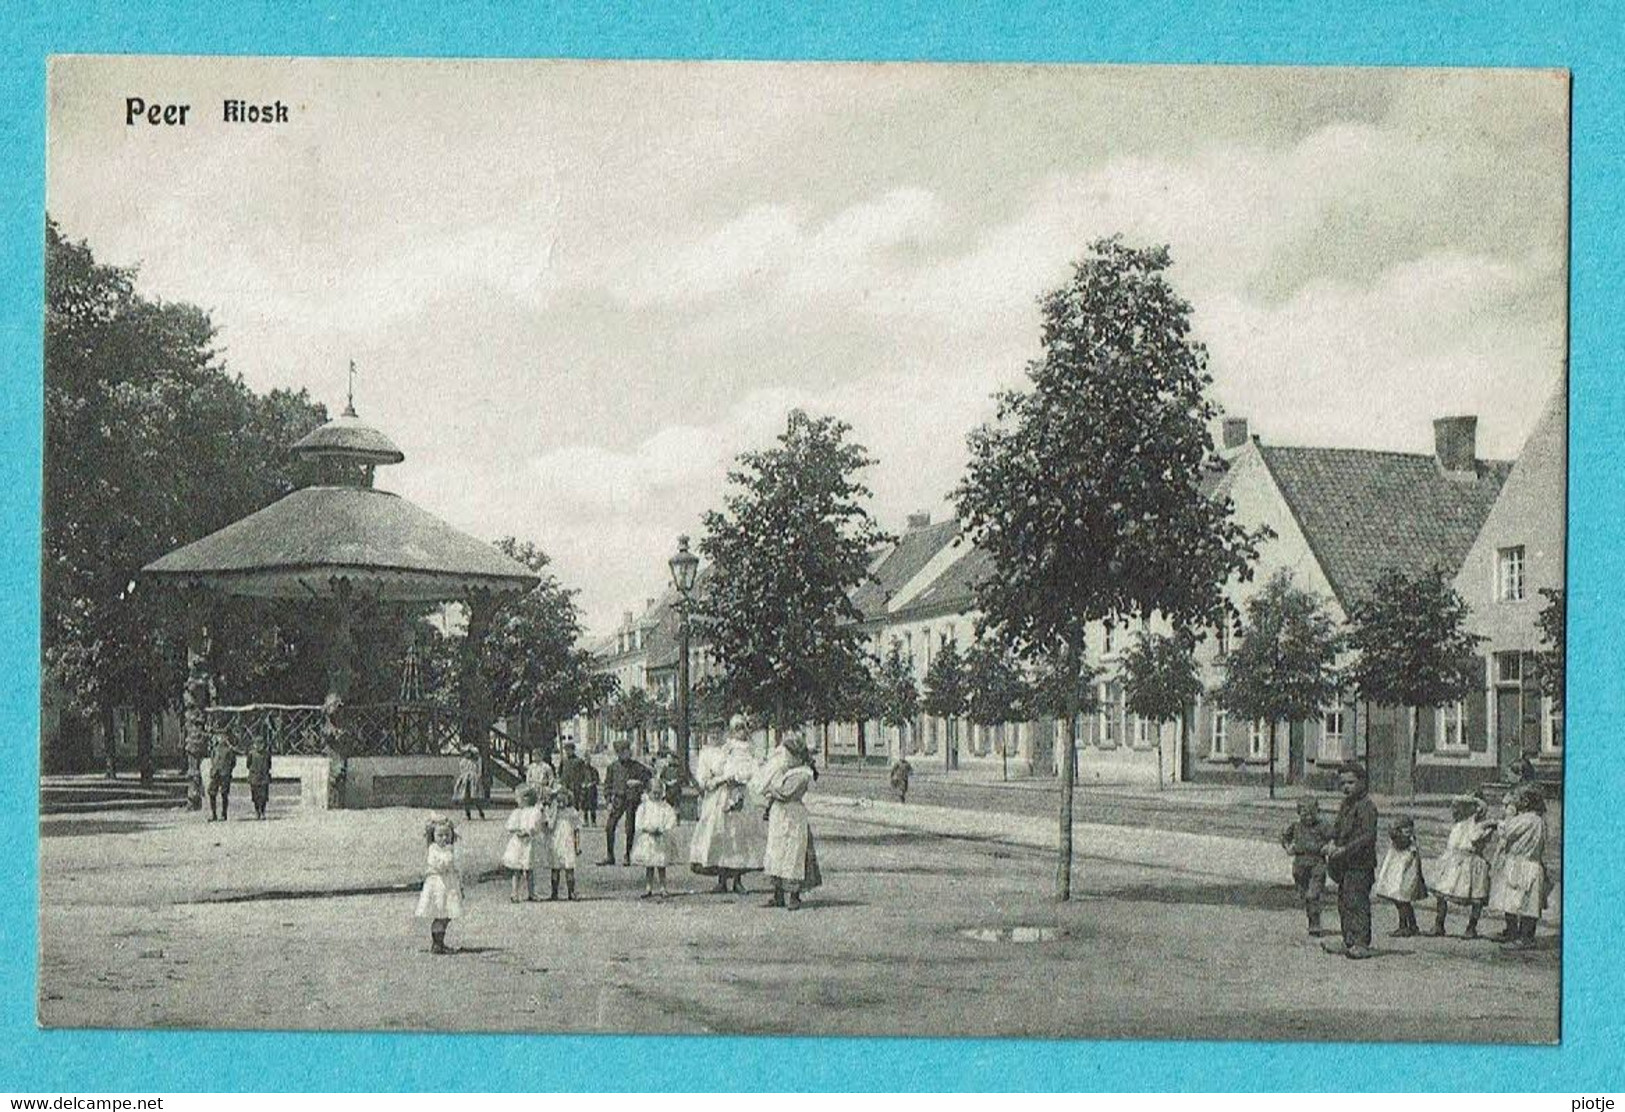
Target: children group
[
  {"x": 1487, "y": 862},
  {"x": 751, "y": 818}
]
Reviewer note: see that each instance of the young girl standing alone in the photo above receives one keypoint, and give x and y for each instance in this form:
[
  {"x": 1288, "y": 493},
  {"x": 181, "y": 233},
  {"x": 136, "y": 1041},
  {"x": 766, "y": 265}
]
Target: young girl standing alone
[
  {"x": 441, "y": 900},
  {"x": 655, "y": 819}
]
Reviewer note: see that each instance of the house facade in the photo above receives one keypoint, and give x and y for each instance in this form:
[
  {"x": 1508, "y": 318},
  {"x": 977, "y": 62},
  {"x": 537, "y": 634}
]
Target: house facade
[{"x": 1517, "y": 558}]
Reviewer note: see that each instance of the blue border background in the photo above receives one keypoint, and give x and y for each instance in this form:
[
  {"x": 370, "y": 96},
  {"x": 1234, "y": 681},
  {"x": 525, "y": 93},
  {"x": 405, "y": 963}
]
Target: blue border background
[{"x": 1416, "y": 33}]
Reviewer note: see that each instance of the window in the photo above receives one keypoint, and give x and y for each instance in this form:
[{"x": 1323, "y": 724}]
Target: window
[
  {"x": 1551, "y": 734},
  {"x": 1110, "y": 717},
  {"x": 1508, "y": 668},
  {"x": 1144, "y": 733},
  {"x": 1509, "y": 574},
  {"x": 1106, "y": 644},
  {"x": 1449, "y": 737},
  {"x": 1257, "y": 737},
  {"x": 1331, "y": 736},
  {"x": 1217, "y": 745}
]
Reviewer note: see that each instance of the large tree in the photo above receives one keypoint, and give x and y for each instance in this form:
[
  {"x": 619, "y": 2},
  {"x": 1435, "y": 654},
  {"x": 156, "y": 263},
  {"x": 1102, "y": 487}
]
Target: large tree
[
  {"x": 793, "y": 540},
  {"x": 149, "y": 443},
  {"x": 533, "y": 663},
  {"x": 1089, "y": 491},
  {"x": 945, "y": 696},
  {"x": 1285, "y": 669},
  {"x": 1160, "y": 682},
  {"x": 1412, "y": 648}
]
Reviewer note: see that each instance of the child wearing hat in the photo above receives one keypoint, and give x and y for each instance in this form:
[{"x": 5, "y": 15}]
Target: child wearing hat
[
  {"x": 467, "y": 791},
  {"x": 1518, "y": 881},
  {"x": 655, "y": 820},
  {"x": 441, "y": 900},
  {"x": 1462, "y": 872},
  {"x": 1399, "y": 877},
  {"x": 1306, "y": 841},
  {"x": 522, "y": 828}
]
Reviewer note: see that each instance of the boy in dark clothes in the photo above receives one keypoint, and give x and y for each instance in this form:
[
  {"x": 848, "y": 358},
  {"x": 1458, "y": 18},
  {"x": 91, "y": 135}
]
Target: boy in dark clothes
[
  {"x": 259, "y": 775},
  {"x": 1351, "y": 861},
  {"x": 1306, "y": 841}
]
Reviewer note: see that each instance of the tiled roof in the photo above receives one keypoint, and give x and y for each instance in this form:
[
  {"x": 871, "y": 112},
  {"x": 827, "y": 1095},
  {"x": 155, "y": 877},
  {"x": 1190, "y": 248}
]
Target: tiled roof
[
  {"x": 955, "y": 588},
  {"x": 911, "y": 553},
  {"x": 1364, "y": 512}
]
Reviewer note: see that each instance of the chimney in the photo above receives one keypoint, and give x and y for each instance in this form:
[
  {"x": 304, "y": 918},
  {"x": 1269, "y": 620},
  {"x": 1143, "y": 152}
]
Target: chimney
[
  {"x": 1235, "y": 433},
  {"x": 1455, "y": 446},
  {"x": 626, "y": 619},
  {"x": 648, "y": 605},
  {"x": 918, "y": 520}
]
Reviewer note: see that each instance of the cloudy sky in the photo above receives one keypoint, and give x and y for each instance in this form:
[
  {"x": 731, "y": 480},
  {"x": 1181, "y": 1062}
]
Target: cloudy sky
[{"x": 575, "y": 290}]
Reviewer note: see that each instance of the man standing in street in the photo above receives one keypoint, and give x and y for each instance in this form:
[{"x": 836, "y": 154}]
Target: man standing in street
[
  {"x": 1351, "y": 860},
  {"x": 222, "y": 763},
  {"x": 573, "y": 775},
  {"x": 624, "y": 784}
]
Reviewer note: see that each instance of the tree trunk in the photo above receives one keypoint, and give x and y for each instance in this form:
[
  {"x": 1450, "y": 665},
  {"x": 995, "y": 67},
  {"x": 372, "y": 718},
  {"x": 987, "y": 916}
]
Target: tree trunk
[
  {"x": 1069, "y": 775},
  {"x": 1410, "y": 753},
  {"x": 143, "y": 745},
  {"x": 1272, "y": 760},
  {"x": 110, "y": 742}
]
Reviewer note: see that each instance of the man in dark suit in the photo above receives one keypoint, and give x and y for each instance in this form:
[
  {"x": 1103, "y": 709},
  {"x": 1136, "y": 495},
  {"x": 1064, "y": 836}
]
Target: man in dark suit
[
  {"x": 1351, "y": 860},
  {"x": 624, "y": 784}
]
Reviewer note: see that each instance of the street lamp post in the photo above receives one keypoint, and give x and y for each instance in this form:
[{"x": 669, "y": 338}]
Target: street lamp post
[{"x": 684, "y": 565}]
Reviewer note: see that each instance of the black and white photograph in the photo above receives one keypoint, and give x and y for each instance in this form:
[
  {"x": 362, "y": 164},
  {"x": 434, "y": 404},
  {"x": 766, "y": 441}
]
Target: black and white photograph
[{"x": 906, "y": 549}]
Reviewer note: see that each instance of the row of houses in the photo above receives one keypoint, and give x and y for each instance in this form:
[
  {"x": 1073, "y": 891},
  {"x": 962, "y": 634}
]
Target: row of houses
[{"x": 1340, "y": 518}]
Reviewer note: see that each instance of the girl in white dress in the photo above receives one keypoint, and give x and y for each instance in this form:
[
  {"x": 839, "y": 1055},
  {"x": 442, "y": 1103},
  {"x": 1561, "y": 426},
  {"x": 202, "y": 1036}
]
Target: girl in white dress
[
  {"x": 559, "y": 843},
  {"x": 1462, "y": 872},
  {"x": 791, "y": 862},
  {"x": 1518, "y": 886},
  {"x": 1399, "y": 877},
  {"x": 523, "y": 825},
  {"x": 656, "y": 819},
  {"x": 441, "y": 900}
]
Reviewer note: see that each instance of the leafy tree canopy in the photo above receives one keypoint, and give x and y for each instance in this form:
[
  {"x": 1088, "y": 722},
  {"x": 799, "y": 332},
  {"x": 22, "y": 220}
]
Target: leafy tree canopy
[
  {"x": 1160, "y": 679},
  {"x": 1553, "y": 640},
  {"x": 946, "y": 692},
  {"x": 996, "y": 689},
  {"x": 1285, "y": 668},
  {"x": 898, "y": 697},
  {"x": 1089, "y": 490},
  {"x": 792, "y": 542},
  {"x": 1411, "y": 643}
]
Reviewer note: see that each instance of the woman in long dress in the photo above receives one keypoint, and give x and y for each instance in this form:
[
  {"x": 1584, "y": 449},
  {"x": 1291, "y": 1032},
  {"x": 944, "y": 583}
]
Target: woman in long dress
[
  {"x": 790, "y": 861},
  {"x": 727, "y": 841}
]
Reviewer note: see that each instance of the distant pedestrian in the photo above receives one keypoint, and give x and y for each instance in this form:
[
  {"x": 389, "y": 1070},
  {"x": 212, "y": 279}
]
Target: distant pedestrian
[
  {"x": 1306, "y": 841},
  {"x": 655, "y": 820},
  {"x": 900, "y": 772},
  {"x": 1518, "y": 882},
  {"x": 1461, "y": 874},
  {"x": 523, "y": 825},
  {"x": 1351, "y": 861},
  {"x": 441, "y": 900},
  {"x": 539, "y": 773},
  {"x": 222, "y": 763},
  {"x": 791, "y": 861},
  {"x": 259, "y": 775},
  {"x": 624, "y": 784},
  {"x": 559, "y": 841},
  {"x": 467, "y": 792},
  {"x": 195, "y": 750},
  {"x": 1400, "y": 876}
]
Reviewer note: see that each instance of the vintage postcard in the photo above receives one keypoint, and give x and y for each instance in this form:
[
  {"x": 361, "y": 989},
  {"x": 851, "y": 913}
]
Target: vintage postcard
[{"x": 960, "y": 550}]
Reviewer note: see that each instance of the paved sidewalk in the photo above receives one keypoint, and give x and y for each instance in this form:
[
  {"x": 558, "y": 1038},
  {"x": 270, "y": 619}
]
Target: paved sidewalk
[{"x": 1215, "y": 856}]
